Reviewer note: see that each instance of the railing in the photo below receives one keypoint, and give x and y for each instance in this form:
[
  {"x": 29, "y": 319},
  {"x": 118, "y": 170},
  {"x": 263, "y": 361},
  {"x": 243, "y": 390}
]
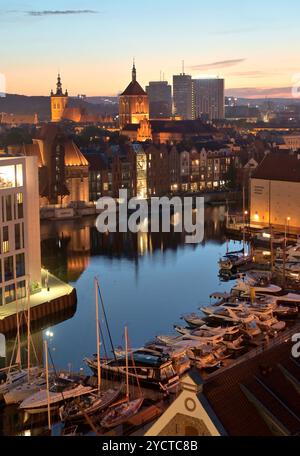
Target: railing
[{"x": 282, "y": 338}]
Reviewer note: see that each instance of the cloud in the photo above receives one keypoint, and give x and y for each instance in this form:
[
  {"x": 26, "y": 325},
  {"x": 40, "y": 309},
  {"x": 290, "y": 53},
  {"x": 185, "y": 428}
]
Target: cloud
[
  {"x": 251, "y": 74},
  {"x": 257, "y": 92},
  {"x": 59, "y": 12},
  {"x": 221, "y": 64}
]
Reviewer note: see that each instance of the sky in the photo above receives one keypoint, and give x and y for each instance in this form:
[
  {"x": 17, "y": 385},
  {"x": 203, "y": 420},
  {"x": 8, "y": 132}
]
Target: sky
[{"x": 252, "y": 44}]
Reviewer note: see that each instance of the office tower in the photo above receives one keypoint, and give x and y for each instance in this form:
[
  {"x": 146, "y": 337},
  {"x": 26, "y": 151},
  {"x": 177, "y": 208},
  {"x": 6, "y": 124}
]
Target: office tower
[
  {"x": 160, "y": 99},
  {"x": 208, "y": 99},
  {"x": 182, "y": 96},
  {"x": 20, "y": 257}
]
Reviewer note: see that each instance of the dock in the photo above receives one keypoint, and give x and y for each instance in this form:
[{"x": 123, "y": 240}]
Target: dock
[{"x": 58, "y": 297}]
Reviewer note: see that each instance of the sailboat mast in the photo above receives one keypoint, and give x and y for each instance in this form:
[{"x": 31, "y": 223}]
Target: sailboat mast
[
  {"x": 126, "y": 354},
  {"x": 47, "y": 383},
  {"x": 28, "y": 330},
  {"x": 98, "y": 333},
  {"x": 18, "y": 358}
]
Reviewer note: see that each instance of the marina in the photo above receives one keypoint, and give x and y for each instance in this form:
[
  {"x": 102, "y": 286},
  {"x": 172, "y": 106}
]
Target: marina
[{"x": 242, "y": 318}]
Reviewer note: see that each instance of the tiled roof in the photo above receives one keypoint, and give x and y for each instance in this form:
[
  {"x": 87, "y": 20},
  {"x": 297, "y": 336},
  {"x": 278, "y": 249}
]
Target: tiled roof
[
  {"x": 73, "y": 156},
  {"x": 279, "y": 167},
  {"x": 134, "y": 88},
  {"x": 239, "y": 394}
]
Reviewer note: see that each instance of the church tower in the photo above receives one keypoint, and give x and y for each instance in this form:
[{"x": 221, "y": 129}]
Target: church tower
[
  {"x": 59, "y": 101},
  {"x": 133, "y": 103}
]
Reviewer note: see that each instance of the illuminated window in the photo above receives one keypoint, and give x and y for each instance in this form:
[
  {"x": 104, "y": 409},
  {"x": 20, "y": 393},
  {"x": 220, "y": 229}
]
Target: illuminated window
[
  {"x": 10, "y": 294},
  {"x": 7, "y": 176},
  {"x": 5, "y": 239},
  {"x": 20, "y": 205},
  {"x": 19, "y": 174}
]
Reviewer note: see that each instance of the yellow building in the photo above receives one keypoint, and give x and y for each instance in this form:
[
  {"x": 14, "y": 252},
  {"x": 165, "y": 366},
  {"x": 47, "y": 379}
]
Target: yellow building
[
  {"x": 59, "y": 101},
  {"x": 133, "y": 103},
  {"x": 275, "y": 191}
]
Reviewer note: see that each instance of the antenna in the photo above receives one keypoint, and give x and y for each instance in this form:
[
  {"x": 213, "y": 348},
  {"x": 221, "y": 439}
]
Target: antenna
[
  {"x": 163, "y": 76},
  {"x": 160, "y": 75},
  {"x": 183, "y": 67}
]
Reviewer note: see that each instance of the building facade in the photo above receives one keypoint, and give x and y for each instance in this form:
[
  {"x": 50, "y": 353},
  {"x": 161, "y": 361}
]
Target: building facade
[
  {"x": 19, "y": 228},
  {"x": 160, "y": 99},
  {"x": 182, "y": 96},
  {"x": 133, "y": 103},
  {"x": 208, "y": 99},
  {"x": 275, "y": 191}
]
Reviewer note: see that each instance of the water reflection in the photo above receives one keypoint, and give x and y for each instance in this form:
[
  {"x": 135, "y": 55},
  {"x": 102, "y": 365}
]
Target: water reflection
[{"x": 68, "y": 246}]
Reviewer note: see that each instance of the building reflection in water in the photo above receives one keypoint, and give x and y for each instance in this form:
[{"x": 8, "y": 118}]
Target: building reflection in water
[{"x": 68, "y": 246}]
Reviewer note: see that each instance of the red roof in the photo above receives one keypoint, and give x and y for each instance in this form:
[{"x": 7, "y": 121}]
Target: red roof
[
  {"x": 279, "y": 167},
  {"x": 134, "y": 88},
  {"x": 237, "y": 395}
]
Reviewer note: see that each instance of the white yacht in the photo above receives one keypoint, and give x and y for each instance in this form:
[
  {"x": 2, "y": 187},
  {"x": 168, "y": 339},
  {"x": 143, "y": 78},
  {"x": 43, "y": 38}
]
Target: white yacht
[
  {"x": 61, "y": 390},
  {"x": 10, "y": 379}
]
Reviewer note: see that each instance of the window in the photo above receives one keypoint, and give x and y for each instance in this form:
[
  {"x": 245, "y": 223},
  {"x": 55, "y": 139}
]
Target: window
[
  {"x": 8, "y": 206},
  {"x": 20, "y": 265},
  {"x": 19, "y": 174},
  {"x": 7, "y": 176},
  {"x": 9, "y": 268},
  {"x": 17, "y": 236},
  {"x": 5, "y": 239},
  {"x": 21, "y": 289},
  {"x": 10, "y": 294},
  {"x": 1, "y": 297},
  {"x": 20, "y": 205}
]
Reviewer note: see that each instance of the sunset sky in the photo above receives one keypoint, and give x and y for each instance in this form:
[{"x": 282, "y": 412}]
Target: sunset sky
[{"x": 254, "y": 44}]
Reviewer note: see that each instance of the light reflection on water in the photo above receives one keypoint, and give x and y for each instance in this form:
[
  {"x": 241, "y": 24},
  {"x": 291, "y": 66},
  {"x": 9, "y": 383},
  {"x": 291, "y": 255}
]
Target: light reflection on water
[{"x": 147, "y": 281}]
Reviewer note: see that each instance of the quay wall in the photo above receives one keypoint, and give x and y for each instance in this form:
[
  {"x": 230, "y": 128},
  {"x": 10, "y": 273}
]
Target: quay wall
[{"x": 41, "y": 311}]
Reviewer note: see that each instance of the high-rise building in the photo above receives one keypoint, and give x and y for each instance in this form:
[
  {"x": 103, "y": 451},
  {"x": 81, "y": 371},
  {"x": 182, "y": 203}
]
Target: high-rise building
[
  {"x": 160, "y": 99},
  {"x": 208, "y": 99},
  {"x": 182, "y": 96},
  {"x": 133, "y": 103},
  {"x": 20, "y": 258},
  {"x": 59, "y": 101}
]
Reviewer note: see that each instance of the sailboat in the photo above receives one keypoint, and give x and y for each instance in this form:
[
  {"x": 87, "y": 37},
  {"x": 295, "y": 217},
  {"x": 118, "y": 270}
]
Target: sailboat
[
  {"x": 122, "y": 412},
  {"x": 96, "y": 401},
  {"x": 34, "y": 379},
  {"x": 15, "y": 376}
]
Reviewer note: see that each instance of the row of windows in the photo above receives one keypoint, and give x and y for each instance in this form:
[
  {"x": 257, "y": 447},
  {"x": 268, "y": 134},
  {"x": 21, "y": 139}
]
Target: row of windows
[
  {"x": 12, "y": 207},
  {"x": 10, "y": 233},
  {"x": 8, "y": 293},
  {"x": 12, "y": 267}
]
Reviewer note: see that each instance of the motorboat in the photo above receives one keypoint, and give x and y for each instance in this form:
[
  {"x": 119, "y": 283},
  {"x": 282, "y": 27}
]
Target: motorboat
[
  {"x": 62, "y": 389},
  {"x": 267, "y": 322},
  {"x": 152, "y": 370},
  {"x": 243, "y": 288},
  {"x": 200, "y": 335},
  {"x": 89, "y": 404},
  {"x": 193, "y": 320},
  {"x": 10, "y": 379},
  {"x": 203, "y": 358},
  {"x": 26, "y": 389},
  {"x": 228, "y": 314},
  {"x": 231, "y": 261}
]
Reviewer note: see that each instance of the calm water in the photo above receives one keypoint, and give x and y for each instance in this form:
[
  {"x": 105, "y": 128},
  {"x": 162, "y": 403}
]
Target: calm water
[{"x": 147, "y": 281}]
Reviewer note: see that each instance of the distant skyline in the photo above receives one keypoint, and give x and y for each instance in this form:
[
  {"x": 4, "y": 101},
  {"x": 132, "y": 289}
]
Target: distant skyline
[{"x": 253, "y": 45}]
